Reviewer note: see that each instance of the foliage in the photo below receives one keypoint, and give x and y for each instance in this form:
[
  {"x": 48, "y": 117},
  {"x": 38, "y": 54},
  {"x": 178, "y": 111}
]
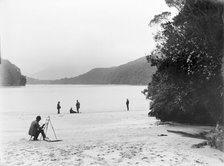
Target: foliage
[
  {"x": 159, "y": 18},
  {"x": 188, "y": 56},
  {"x": 179, "y": 4},
  {"x": 10, "y": 75}
]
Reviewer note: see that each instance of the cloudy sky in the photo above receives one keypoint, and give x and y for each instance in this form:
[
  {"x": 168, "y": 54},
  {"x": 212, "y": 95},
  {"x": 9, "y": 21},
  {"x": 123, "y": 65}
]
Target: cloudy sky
[{"x": 39, "y": 34}]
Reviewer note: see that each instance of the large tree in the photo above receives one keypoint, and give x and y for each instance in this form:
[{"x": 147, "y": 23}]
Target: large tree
[{"x": 188, "y": 84}]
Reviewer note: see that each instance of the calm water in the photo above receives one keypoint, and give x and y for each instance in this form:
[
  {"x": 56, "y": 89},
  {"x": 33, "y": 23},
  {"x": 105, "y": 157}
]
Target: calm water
[{"x": 42, "y": 99}]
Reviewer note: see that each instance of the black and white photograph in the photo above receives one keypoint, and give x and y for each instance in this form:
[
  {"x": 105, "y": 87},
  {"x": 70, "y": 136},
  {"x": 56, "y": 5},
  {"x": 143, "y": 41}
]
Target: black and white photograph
[{"x": 111, "y": 82}]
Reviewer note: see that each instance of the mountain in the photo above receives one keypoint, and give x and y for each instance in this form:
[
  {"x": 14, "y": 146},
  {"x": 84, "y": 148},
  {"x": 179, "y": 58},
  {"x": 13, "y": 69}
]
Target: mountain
[
  {"x": 57, "y": 72},
  {"x": 10, "y": 74},
  {"x": 137, "y": 72},
  {"x": 36, "y": 81}
]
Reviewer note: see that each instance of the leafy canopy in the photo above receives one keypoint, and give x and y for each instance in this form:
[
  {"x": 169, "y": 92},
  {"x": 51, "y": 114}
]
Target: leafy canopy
[{"x": 188, "y": 56}]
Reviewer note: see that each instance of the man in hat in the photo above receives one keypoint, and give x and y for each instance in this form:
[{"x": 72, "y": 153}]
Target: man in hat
[
  {"x": 77, "y": 106},
  {"x": 58, "y": 107},
  {"x": 127, "y": 104},
  {"x": 36, "y": 129}
]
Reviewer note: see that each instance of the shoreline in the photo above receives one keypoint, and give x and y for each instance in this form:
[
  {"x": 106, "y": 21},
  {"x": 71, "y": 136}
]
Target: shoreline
[{"x": 116, "y": 138}]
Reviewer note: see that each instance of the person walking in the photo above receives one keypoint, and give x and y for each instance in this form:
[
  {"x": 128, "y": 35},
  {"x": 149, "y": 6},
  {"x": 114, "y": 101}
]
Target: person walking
[
  {"x": 127, "y": 104},
  {"x": 77, "y": 106},
  {"x": 58, "y": 107}
]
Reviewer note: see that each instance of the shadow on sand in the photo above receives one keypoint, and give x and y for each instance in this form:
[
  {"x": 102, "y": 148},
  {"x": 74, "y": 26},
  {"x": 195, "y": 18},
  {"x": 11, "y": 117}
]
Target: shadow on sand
[{"x": 201, "y": 135}]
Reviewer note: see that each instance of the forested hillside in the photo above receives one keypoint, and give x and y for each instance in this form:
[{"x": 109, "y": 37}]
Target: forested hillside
[
  {"x": 10, "y": 75},
  {"x": 137, "y": 72}
]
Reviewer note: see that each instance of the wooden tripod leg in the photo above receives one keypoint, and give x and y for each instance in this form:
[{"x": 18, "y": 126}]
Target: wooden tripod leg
[
  {"x": 53, "y": 129},
  {"x": 47, "y": 123}
]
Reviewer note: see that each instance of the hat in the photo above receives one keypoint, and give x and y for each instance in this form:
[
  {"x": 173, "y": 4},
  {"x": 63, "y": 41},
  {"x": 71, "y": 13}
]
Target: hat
[{"x": 38, "y": 118}]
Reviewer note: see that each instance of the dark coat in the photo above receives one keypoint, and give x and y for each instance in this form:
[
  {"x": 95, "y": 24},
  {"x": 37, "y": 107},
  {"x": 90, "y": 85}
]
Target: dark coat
[
  {"x": 77, "y": 105},
  {"x": 34, "y": 128},
  {"x": 72, "y": 111},
  {"x": 58, "y": 106},
  {"x": 127, "y": 102}
]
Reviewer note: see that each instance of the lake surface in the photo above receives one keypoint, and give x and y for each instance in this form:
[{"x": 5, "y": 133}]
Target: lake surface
[{"x": 42, "y": 99}]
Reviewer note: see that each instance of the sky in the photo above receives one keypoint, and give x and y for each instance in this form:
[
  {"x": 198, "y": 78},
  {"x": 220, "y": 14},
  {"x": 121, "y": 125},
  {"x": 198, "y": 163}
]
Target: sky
[{"x": 41, "y": 34}]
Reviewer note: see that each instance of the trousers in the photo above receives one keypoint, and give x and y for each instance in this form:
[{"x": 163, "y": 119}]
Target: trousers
[{"x": 37, "y": 134}]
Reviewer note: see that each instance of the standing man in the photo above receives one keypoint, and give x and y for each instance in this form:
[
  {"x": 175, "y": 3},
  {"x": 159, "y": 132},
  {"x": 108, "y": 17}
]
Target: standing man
[
  {"x": 77, "y": 106},
  {"x": 58, "y": 107},
  {"x": 35, "y": 129},
  {"x": 127, "y": 104}
]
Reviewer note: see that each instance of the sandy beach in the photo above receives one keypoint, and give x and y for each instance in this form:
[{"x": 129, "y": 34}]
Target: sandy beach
[{"x": 104, "y": 139}]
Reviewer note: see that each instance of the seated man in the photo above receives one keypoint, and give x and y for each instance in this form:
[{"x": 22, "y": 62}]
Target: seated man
[
  {"x": 72, "y": 111},
  {"x": 35, "y": 129}
]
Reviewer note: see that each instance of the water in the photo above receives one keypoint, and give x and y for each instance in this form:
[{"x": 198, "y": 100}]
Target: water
[{"x": 42, "y": 99}]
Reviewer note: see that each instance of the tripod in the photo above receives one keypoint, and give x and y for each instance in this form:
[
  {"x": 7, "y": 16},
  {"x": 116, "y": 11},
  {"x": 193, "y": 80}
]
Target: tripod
[{"x": 48, "y": 121}]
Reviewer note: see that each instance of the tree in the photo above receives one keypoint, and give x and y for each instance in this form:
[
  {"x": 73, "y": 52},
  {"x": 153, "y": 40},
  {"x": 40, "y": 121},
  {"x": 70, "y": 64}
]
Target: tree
[
  {"x": 187, "y": 86},
  {"x": 10, "y": 75}
]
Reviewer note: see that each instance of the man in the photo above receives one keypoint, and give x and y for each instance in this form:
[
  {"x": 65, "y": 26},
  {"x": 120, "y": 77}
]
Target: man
[
  {"x": 127, "y": 104},
  {"x": 77, "y": 106},
  {"x": 58, "y": 107},
  {"x": 72, "y": 111},
  {"x": 35, "y": 129}
]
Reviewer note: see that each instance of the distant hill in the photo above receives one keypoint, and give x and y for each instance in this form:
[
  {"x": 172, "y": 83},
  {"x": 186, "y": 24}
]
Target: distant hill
[
  {"x": 36, "y": 81},
  {"x": 10, "y": 74},
  {"x": 137, "y": 72},
  {"x": 58, "y": 72}
]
